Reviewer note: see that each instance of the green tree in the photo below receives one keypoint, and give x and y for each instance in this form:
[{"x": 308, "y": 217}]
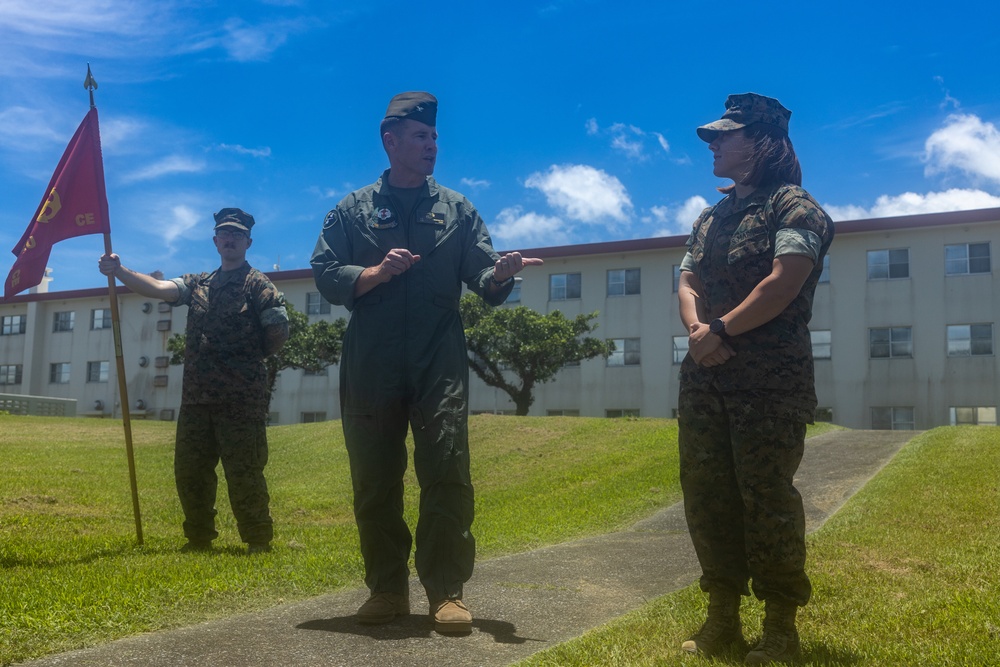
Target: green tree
[
  {"x": 529, "y": 345},
  {"x": 311, "y": 347}
]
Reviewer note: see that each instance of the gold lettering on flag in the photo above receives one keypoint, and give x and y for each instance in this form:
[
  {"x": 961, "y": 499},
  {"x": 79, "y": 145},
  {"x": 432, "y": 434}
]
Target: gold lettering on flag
[{"x": 52, "y": 206}]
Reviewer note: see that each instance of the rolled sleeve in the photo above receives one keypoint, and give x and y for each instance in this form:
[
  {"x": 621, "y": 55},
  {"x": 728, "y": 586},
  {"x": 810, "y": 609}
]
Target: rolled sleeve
[
  {"x": 183, "y": 292},
  {"x": 797, "y": 242},
  {"x": 688, "y": 263}
]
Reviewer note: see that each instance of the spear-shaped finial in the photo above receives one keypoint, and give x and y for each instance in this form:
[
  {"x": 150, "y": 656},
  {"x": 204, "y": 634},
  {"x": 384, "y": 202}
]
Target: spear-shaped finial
[{"x": 90, "y": 84}]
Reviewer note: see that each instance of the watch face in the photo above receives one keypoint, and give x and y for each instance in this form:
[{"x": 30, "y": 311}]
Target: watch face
[{"x": 717, "y": 326}]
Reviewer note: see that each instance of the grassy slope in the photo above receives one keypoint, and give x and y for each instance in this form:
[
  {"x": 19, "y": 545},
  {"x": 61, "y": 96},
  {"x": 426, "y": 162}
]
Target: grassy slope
[
  {"x": 71, "y": 574},
  {"x": 905, "y": 574}
]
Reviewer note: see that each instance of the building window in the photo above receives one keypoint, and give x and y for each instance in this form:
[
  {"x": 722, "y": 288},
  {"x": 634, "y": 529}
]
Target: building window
[
  {"x": 59, "y": 373},
  {"x": 824, "y": 276},
  {"x": 966, "y": 258},
  {"x": 313, "y": 417},
  {"x": 97, "y": 371},
  {"x": 161, "y": 362},
  {"x": 161, "y": 380},
  {"x": 10, "y": 374},
  {"x": 564, "y": 286},
  {"x": 13, "y": 325},
  {"x": 626, "y": 412},
  {"x": 320, "y": 373},
  {"x": 677, "y": 278},
  {"x": 965, "y": 340},
  {"x": 822, "y": 349},
  {"x": 572, "y": 363},
  {"x": 515, "y": 292},
  {"x": 100, "y": 318},
  {"x": 626, "y": 352},
  {"x": 888, "y": 264},
  {"x": 163, "y": 325},
  {"x": 974, "y": 416},
  {"x": 680, "y": 348},
  {"x": 892, "y": 419},
  {"x": 316, "y": 304},
  {"x": 890, "y": 342},
  {"x": 622, "y": 282},
  {"x": 562, "y": 413},
  {"x": 63, "y": 321},
  {"x": 823, "y": 415}
]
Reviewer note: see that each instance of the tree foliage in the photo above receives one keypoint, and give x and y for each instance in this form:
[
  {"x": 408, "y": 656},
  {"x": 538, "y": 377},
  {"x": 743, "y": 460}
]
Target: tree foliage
[
  {"x": 526, "y": 344},
  {"x": 311, "y": 347}
]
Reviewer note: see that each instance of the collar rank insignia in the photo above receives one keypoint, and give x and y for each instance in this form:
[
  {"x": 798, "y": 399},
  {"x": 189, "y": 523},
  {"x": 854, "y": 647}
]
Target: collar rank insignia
[{"x": 383, "y": 219}]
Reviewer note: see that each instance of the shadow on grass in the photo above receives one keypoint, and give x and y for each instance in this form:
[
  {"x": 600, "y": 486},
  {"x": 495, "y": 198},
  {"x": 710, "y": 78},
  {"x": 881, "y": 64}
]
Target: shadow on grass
[
  {"x": 16, "y": 560},
  {"x": 812, "y": 655},
  {"x": 413, "y": 626}
]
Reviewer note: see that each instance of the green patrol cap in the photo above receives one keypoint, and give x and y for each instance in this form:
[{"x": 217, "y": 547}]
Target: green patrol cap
[
  {"x": 234, "y": 217},
  {"x": 414, "y": 105},
  {"x": 747, "y": 109}
]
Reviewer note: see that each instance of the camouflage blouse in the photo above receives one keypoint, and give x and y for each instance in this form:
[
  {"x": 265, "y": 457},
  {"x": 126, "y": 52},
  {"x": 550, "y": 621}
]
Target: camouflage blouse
[{"x": 731, "y": 249}]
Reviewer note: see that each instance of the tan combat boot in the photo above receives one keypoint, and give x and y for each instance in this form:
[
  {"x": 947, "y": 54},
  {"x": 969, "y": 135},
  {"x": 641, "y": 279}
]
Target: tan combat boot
[
  {"x": 451, "y": 617},
  {"x": 382, "y": 607},
  {"x": 780, "y": 641},
  {"x": 722, "y": 628}
]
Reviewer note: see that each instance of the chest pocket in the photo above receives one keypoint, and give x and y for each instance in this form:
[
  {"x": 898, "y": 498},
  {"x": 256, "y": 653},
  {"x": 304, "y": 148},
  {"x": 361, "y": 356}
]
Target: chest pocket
[{"x": 752, "y": 240}]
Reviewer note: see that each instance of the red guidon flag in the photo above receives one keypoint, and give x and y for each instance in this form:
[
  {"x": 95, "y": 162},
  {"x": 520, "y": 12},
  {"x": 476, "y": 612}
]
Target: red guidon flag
[{"x": 74, "y": 204}]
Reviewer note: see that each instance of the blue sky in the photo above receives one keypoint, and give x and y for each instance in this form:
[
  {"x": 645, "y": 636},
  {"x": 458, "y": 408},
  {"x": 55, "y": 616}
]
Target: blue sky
[{"x": 564, "y": 121}]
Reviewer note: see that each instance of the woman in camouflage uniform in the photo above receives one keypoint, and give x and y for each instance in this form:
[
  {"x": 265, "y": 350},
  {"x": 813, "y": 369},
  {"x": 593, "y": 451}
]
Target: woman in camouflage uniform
[{"x": 747, "y": 387}]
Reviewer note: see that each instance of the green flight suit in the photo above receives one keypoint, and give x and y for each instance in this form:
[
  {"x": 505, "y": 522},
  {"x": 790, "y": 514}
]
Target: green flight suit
[{"x": 405, "y": 364}]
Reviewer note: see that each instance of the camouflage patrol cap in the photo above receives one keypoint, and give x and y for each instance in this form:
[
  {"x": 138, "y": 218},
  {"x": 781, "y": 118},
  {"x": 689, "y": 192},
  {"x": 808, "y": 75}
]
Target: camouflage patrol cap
[
  {"x": 747, "y": 109},
  {"x": 234, "y": 217},
  {"x": 414, "y": 105}
]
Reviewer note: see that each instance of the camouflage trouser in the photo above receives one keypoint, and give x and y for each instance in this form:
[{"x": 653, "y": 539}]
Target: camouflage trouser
[
  {"x": 737, "y": 462},
  {"x": 207, "y": 434}
]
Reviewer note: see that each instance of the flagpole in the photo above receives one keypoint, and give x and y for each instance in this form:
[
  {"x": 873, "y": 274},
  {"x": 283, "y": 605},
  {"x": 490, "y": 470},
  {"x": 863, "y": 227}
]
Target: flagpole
[{"x": 90, "y": 84}]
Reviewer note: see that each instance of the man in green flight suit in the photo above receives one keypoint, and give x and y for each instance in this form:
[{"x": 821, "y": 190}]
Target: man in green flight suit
[{"x": 395, "y": 253}]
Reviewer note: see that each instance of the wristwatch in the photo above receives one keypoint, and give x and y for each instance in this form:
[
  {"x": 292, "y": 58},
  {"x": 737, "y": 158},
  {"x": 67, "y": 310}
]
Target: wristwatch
[{"x": 718, "y": 327}]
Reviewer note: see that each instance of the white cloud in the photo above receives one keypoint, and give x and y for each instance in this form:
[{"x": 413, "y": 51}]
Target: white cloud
[
  {"x": 689, "y": 212},
  {"x": 178, "y": 222},
  {"x": 515, "y": 227},
  {"x": 662, "y": 141},
  {"x": 583, "y": 193},
  {"x": 671, "y": 221},
  {"x": 475, "y": 183},
  {"x": 22, "y": 128},
  {"x": 173, "y": 164},
  {"x": 911, "y": 203},
  {"x": 966, "y": 143},
  {"x": 242, "y": 150},
  {"x": 628, "y": 139},
  {"x": 246, "y": 42}
]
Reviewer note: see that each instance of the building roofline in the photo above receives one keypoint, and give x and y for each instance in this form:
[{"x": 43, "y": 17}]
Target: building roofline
[{"x": 920, "y": 220}]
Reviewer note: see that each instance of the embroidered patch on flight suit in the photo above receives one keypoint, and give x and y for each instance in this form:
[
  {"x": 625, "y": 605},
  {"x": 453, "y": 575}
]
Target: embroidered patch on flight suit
[
  {"x": 432, "y": 218},
  {"x": 383, "y": 219}
]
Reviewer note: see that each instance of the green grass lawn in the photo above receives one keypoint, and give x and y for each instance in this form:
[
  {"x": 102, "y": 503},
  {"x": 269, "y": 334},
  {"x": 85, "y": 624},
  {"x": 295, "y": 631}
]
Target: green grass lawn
[
  {"x": 71, "y": 574},
  {"x": 904, "y": 574},
  {"x": 907, "y": 573}
]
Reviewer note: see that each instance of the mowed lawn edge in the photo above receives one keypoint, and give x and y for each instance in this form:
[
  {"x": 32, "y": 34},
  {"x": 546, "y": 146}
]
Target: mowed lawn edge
[
  {"x": 904, "y": 574},
  {"x": 73, "y": 575}
]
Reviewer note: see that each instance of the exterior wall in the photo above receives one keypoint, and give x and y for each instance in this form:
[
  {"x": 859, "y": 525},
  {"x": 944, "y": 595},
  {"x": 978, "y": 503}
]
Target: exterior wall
[{"x": 849, "y": 384}]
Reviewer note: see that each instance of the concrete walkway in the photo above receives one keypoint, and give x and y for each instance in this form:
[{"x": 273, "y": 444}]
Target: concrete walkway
[{"x": 522, "y": 604}]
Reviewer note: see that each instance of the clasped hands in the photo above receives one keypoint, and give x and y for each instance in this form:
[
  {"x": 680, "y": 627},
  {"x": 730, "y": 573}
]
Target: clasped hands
[{"x": 706, "y": 348}]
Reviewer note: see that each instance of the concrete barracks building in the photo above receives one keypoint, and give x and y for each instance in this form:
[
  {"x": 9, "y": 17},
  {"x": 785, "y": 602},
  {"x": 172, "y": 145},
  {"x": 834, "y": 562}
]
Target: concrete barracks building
[{"x": 903, "y": 333}]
